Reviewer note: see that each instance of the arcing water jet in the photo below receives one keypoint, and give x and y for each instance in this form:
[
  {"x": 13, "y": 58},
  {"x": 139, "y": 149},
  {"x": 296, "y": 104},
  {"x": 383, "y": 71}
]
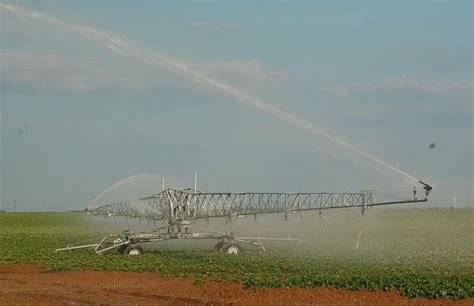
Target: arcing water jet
[
  {"x": 124, "y": 48},
  {"x": 137, "y": 178}
]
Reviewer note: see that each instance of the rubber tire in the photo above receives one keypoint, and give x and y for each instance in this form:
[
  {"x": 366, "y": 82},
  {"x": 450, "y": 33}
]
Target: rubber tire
[
  {"x": 121, "y": 249},
  {"x": 134, "y": 248},
  {"x": 219, "y": 246},
  {"x": 232, "y": 248}
]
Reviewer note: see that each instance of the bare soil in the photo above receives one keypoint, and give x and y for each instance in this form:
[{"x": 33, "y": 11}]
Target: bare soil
[{"x": 30, "y": 285}]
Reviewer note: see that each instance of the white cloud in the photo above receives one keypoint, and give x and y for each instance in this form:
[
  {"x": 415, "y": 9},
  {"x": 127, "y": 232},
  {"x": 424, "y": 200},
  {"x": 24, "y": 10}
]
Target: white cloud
[
  {"x": 56, "y": 72},
  {"x": 403, "y": 84},
  {"x": 297, "y": 141},
  {"x": 249, "y": 74},
  {"x": 52, "y": 72}
]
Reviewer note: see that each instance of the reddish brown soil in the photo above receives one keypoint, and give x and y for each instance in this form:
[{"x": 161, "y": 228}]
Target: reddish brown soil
[{"x": 26, "y": 284}]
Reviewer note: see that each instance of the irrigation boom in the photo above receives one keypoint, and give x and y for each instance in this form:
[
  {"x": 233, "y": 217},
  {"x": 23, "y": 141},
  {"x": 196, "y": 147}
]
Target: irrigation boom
[
  {"x": 180, "y": 207},
  {"x": 177, "y": 205}
]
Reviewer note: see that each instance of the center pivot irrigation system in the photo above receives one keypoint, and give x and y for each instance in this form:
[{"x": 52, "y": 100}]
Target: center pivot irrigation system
[{"x": 181, "y": 207}]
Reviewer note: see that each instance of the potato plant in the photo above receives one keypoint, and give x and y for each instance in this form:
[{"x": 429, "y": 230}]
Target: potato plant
[{"x": 429, "y": 254}]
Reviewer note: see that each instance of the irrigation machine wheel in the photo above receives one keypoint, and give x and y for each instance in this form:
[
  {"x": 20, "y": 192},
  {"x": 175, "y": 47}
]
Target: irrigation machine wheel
[
  {"x": 232, "y": 248},
  {"x": 121, "y": 249},
  {"x": 219, "y": 246},
  {"x": 133, "y": 249}
]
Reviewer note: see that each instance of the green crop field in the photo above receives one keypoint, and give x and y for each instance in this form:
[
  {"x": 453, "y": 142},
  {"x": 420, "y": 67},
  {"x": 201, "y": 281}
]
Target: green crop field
[{"x": 422, "y": 252}]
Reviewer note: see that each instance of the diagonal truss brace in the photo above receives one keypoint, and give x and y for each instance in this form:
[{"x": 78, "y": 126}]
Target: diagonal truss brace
[{"x": 178, "y": 205}]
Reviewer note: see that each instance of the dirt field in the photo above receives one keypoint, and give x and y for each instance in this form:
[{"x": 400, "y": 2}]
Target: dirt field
[{"x": 28, "y": 284}]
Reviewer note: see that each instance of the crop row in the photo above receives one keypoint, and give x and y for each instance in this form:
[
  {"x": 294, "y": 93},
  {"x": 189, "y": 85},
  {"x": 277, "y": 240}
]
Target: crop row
[{"x": 33, "y": 237}]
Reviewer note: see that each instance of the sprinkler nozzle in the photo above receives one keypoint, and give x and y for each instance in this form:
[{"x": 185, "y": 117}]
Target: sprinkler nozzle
[{"x": 427, "y": 187}]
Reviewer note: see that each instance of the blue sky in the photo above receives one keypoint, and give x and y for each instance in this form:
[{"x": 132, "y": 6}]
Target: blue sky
[{"x": 389, "y": 77}]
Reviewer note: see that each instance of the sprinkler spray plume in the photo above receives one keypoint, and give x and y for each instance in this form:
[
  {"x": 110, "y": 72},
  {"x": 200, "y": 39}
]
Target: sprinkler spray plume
[{"x": 126, "y": 49}]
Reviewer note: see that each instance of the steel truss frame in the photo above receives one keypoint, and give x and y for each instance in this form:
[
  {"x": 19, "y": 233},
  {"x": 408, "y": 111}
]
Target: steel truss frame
[
  {"x": 180, "y": 207},
  {"x": 184, "y": 204}
]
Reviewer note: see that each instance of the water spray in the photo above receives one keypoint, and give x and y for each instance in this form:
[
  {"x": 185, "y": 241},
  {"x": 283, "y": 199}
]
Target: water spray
[
  {"x": 126, "y": 49},
  {"x": 121, "y": 183}
]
